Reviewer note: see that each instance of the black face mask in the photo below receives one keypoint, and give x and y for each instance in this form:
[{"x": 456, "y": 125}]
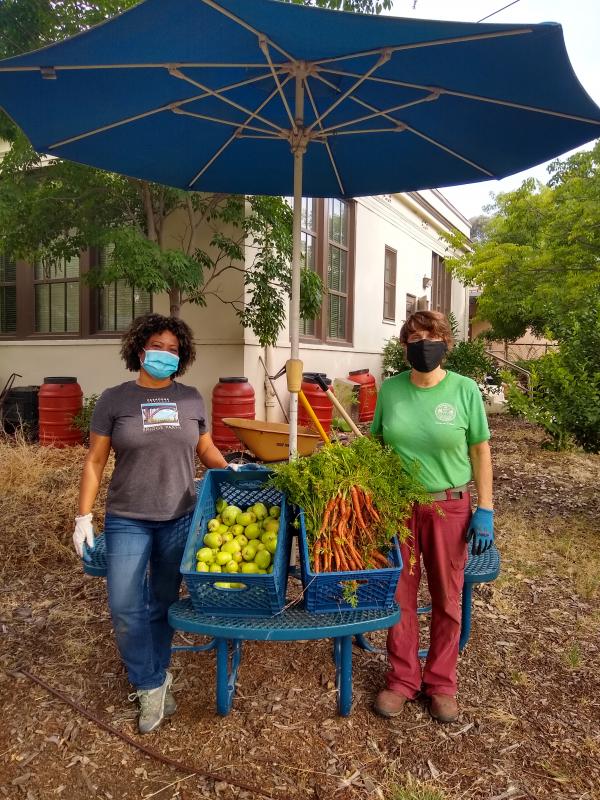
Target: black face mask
[{"x": 425, "y": 355}]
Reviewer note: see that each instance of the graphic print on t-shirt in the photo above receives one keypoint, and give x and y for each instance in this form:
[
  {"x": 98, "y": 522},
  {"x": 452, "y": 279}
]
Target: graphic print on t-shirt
[
  {"x": 445, "y": 413},
  {"x": 159, "y": 414}
]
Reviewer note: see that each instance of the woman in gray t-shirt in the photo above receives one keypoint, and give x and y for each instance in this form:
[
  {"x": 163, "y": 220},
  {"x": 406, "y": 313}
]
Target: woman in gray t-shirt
[{"x": 156, "y": 427}]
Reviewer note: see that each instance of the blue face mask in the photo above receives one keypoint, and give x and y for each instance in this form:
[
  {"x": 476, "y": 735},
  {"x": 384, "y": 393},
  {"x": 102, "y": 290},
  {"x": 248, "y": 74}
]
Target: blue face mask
[{"x": 160, "y": 363}]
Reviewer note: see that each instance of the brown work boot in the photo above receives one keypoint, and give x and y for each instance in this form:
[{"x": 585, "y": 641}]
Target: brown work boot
[
  {"x": 443, "y": 707},
  {"x": 389, "y": 704}
]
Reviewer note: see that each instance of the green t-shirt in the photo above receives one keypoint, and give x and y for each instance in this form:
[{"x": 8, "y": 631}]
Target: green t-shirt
[{"x": 435, "y": 426}]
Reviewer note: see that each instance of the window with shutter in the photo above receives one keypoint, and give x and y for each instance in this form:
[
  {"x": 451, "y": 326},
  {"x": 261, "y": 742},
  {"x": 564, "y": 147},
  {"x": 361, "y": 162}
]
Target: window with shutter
[
  {"x": 56, "y": 296},
  {"x": 308, "y": 327},
  {"x": 389, "y": 285},
  {"x": 8, "y": 295},
  {"x": 328, "y": 248},
  {"x": 118, "y": 303},
  {"x": 441, "y": 285}
]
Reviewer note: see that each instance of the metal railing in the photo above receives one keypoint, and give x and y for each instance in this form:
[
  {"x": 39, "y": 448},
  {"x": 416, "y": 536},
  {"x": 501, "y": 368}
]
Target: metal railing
[{"x": 515, "y": 367}]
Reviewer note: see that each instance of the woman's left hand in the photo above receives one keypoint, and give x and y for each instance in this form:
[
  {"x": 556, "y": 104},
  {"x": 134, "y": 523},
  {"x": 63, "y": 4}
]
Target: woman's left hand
[{"x": 481, "y": 530}]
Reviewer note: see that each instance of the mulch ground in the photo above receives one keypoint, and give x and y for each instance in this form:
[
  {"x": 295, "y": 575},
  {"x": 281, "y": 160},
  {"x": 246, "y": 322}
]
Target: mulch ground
[{"x": 529, "y": 678}]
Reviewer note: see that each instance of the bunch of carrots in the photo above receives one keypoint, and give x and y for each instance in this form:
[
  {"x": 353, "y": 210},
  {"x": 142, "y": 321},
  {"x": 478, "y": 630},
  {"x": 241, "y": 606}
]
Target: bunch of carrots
[
  {"x": 346, "y": 539},
  {"x": 355, "y": 498}
]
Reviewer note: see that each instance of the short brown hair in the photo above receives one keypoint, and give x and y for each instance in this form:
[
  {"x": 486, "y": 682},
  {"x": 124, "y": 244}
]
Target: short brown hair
[
  {"x": 142, "y": 328},
  {"x": 434, "y": 322}
]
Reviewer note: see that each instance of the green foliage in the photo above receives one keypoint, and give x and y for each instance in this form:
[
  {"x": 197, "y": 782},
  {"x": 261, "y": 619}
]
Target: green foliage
[
  {"x": 393, "y": 358},
  {"x": 539, "y": 255},
  {"x": 360, "y": 6},
  {"x": 83, "y": 419},
  {"x": 310, "y": 482},
  {"x": 566, "y": 385},
  {"x": 470, "y": 359}
]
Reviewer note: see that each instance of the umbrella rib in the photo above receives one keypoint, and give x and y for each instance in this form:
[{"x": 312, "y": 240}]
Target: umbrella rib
[
  {"x": 427, "y": 99},
  {"x": 264, "y": 46},
  {"x": 221, "y": 121},
  {"x": 449, "y": 150},
  {"x": 242, "y": 23},
  {"x": 151, "y": 112},
  {"x": 147, "y": 65},
  {"x": 430, "y": 43},
  {"x": 271, "y": 138},
  {"x": 235, "y": 135},
  {"x": 400, "y": 123},
  {"x": 384, "y": 56},
  {"x": 213, "y": 93},
  {"x": 467, "y": 95},
  {"x": 398, "y": 129},
  {"x": 329, "y": 153}
]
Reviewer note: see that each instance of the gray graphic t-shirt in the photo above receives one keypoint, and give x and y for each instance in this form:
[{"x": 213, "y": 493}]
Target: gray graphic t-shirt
[{"x": 154, "y": 433}]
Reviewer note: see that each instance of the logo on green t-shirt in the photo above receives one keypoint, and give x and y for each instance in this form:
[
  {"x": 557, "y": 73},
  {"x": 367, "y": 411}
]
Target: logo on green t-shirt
[{"x": 445, "y": 412}]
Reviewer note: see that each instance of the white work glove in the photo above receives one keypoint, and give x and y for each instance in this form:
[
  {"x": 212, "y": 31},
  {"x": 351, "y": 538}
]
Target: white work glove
[{"x": 84, "y": 532}]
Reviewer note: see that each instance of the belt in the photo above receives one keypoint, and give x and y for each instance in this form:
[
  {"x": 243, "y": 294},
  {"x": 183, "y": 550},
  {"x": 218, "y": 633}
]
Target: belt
[{"x": 456, "y": 493}]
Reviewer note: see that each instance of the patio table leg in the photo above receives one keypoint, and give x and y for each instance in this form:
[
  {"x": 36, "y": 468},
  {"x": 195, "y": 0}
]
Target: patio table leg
[
  {"x": 343, "y": 673},
  {"x": 227, "y": 670}
]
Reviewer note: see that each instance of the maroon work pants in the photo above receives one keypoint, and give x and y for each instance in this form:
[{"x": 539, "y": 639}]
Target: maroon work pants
[{"x": 440, "y": 540}]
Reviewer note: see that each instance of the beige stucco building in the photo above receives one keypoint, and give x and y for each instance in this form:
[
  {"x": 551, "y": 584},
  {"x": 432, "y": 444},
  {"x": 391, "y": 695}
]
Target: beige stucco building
[{"x": 389, "y": 260}]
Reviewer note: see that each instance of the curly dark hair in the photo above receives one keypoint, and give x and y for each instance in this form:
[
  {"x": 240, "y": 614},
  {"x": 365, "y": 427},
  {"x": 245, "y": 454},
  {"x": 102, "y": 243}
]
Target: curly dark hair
[{"x": 142, "y": 328}]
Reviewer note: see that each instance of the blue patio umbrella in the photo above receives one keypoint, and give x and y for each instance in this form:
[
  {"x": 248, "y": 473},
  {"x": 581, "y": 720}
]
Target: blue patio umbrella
[{"x": 217, "y": 94}]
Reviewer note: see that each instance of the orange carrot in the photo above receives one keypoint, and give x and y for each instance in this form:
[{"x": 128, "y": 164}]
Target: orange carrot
[
  {"x": 315, "y": 554},
  {"x": 356, "y": 504},
  {"x": 372, "y": 510},
  {"x": 326, "y": 514},
  {"x": 379, "y": 558},
  {"x": 341, "y": 558}
]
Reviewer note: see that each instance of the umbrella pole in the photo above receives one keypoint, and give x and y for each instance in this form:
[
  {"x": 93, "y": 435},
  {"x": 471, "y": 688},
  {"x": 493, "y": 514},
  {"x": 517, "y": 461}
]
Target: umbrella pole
[{"x": 298, "y": 148}]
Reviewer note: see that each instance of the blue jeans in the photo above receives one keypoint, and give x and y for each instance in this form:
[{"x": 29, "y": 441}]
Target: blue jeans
[{"x": 139, "y": 598}]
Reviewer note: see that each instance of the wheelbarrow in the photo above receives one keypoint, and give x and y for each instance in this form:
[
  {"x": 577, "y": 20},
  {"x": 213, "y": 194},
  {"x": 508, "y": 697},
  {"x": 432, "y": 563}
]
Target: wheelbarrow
[{"x": 269, "y": 441}]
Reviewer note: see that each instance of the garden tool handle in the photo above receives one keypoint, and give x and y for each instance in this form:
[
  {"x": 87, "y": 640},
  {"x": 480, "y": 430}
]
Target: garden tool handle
[
  {"x": 323, "y": 385},
  {"x": 313, "y": 417}
]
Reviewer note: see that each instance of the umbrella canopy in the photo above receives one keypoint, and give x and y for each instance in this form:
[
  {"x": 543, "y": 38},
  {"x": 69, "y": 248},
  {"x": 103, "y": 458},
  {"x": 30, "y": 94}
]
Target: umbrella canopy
[
  {"x": 212, "y": 95},
  {"x": 201, "y": 94}
]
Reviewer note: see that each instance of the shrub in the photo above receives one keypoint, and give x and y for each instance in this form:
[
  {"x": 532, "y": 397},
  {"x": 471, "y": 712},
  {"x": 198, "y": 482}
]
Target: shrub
[
  {"x": 83, "y": 419},
  {"x": 393, "y": 358},
  {"x": 470, "y": 359},
  {"x": 566, "y": 385}
]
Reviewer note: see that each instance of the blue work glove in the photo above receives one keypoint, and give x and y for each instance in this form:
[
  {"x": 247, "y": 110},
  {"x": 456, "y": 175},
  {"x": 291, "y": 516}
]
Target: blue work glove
[{"x": 481, "y": 530}]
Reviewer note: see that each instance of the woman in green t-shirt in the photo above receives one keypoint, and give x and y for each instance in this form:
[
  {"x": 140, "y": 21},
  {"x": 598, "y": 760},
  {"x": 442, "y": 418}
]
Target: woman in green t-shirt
[{"x": 437, "y": 418}]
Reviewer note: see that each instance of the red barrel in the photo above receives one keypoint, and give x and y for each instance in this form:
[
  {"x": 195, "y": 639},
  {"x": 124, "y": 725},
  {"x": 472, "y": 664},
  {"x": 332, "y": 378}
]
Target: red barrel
[
  {"x": 367, "y": 394},
  {"x": 321, "y": 404},
  {"x": 231, "y": 397},
  {"x": 59, "y": 400}
]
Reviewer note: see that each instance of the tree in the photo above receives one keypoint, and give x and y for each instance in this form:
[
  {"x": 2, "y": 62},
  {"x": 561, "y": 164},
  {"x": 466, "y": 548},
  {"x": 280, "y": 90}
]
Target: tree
[
  {"x": 51, "y": 210},
  {"x": 539, "y": 257}
]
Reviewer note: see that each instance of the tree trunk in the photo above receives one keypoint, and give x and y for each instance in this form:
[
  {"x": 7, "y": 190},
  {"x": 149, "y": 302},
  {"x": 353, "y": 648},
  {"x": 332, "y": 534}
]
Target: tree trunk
[
  {"x": 174, "y": 301},
  {"x": 149, "y": 212}
]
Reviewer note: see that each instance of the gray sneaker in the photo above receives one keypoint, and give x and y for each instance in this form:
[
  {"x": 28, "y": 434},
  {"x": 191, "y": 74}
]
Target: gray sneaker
[
  {"x": 170, "y": 704},
  {"x": 152, "y": 705}
]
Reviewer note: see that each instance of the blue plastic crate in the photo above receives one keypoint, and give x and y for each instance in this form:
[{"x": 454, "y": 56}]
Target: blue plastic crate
[
  {"x": 263, "y": 595},
  {"x": 324, "y": 591}
]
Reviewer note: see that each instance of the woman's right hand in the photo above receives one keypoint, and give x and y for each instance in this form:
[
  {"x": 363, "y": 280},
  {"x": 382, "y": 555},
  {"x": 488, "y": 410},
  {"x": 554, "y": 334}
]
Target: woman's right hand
[{"x": 84, "y": 532}]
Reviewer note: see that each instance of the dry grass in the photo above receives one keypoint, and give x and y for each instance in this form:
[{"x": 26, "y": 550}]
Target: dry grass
[
  {"x": 39, "y": 488},
  {"x": 548, "y": 546},
  {"x": 416, "y": 791}
]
